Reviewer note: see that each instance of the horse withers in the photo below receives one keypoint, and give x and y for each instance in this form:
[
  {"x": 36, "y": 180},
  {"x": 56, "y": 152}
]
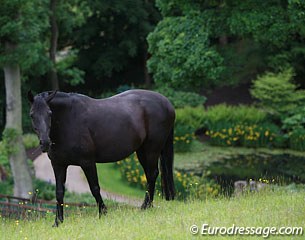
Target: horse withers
[{"x": 78, "y": 130}]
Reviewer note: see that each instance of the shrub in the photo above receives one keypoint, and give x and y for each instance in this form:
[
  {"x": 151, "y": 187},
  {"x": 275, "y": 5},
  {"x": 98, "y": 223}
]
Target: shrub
[
  {"x": 276, "y": 93},
  {"x": 294, "y": 126},
  {"x": 297, "y": 139},
  {"x": 262, "y": 135},
  {"x": 188, "y": 120},
  {"x": 30, "y": 141},
  {"x": 4, "y": 161},
  {"x": 222, "y": 113},
  {"x": 187, "y": 185},
  {"x": 183, "y": 138},
  {"x": 241, "y": 126}
]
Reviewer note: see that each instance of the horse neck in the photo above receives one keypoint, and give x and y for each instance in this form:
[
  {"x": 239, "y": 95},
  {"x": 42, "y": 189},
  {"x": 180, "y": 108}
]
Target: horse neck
[{"x": 60, "y": 103}]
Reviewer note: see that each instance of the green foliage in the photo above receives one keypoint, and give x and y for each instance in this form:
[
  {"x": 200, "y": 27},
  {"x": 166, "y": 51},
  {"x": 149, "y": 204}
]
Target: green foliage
[
  {"x": 249, "y": 37},
  {"x": 67, "y": 71},
  {"x": 294, "y": 125},
  {"x": 9, "y": 137},
  {"x": 4, "y": 161},
  {"x": 44, "y": 190},
  {"x": 187, "y": 185},
  {"x": 113, "y": 37},
  {"x": 242, "y": 114},
  {"x": 276, "y": 93},
  {"x": 188, "y": 120},
  {"x": 297, "y": 139},
  {"x": 182, "y": 99},
  {"x": 181, "y": 54},
  {"x": 183, "y": 138},
  {"x": 295, "y": 120},
  {"x": 21, "y": 26},
  {"x": 241, "y": 126},
  {"x": 263, "y": 135},
  {"x": 30, "y": 140}
]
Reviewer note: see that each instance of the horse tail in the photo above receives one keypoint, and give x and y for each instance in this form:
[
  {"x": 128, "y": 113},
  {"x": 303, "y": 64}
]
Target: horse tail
[{"x": 166, "y": 167}]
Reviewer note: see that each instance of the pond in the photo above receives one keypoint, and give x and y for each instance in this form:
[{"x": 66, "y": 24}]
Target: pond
[{"x": 279, "y": 169}]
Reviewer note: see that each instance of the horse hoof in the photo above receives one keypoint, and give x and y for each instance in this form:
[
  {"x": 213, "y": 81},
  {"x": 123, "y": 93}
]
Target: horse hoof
[
  {"x": 103, "y": 212},
  {"x": 146, "y": 206},
  {"x": 55, "y": 225}
]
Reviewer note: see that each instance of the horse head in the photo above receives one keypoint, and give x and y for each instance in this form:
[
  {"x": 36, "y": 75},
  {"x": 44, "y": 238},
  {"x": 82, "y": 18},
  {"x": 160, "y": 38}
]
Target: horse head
[{"x": 41, "y": 114}]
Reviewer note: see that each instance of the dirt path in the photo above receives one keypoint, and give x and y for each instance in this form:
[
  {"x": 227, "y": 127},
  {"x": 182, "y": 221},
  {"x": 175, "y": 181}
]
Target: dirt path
[{"x": 75, "y": 180}]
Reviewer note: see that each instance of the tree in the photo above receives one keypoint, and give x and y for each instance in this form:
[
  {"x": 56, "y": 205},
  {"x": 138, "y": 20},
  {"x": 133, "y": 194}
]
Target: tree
[
  {"x": 65, "y": 17},
  {"x": 20, "y": 27},
  {"x": 181, "y": 54},
  {"x": 112, "y": 43},
  {"x": 53, "y": 44},
  {"x": 249, "y": 36},
  {"x": 277, "y": 94}
]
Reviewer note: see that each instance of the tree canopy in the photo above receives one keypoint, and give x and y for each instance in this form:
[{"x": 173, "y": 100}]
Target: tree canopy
[{"x": 248, "y": 38}]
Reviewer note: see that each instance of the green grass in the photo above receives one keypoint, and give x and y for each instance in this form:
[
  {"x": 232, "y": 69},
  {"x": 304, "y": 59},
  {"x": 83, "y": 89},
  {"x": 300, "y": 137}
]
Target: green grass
[
  {"x": 170, "y": 220},
  {"x": 111, "y": 181}
]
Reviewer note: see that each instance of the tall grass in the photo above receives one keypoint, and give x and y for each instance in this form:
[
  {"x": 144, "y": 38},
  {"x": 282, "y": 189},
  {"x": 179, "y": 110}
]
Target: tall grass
[{"x": 169, "y": 220}]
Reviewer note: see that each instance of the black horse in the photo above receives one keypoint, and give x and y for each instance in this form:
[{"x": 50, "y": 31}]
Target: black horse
[{"x": 78, "y": 130}]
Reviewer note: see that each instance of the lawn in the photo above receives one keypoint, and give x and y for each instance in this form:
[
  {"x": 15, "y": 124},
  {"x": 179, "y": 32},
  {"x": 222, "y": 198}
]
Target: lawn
[
  {"x": 111, "y": 181},
  {"x": 170, "y": 220}
]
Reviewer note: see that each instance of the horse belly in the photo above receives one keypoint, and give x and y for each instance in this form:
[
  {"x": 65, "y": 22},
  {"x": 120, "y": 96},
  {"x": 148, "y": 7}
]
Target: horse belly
[{"x": 117, "y": 148}]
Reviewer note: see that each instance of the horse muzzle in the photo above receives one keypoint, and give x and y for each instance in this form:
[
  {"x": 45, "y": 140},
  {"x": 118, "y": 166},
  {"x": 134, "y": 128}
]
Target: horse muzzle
[{"x": 45, "y": 145}]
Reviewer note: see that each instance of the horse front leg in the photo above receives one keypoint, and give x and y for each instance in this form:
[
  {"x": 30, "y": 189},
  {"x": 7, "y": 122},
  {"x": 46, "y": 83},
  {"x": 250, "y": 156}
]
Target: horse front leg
[
  {"x": 92, "y": 178},
  {"x": 60, "y": 173}
]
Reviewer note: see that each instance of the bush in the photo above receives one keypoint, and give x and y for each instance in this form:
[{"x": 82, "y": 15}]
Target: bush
[
  {"x": 241, "y": 126},
  {"x": 297, "y": 139},
  {"x": 187, "y": 185},
  {"x": 188, "y": 120},
  {"x": 222, "y": 113},
  {"x": 30, "y": 140},
  {"x": 295, "y": 120},
  {"x": 277, "y": 94},
  {"x": 181, "y": 99},
  {"x": 294, "y": 126},
  {"x": 262, "y": 135}
]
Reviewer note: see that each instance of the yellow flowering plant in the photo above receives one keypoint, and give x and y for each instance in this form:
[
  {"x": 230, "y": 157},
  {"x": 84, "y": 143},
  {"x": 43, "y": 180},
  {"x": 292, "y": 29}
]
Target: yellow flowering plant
[{"x": 187, "y": 185}]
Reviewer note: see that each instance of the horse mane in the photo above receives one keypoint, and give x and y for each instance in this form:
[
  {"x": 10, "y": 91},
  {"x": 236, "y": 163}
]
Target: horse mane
[{"x": 58, "y": 94}]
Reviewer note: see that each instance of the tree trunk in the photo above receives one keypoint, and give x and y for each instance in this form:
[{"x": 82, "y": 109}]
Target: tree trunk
[
  {"x": 53, "y": 45},
  {"x": 17, "y": 157}
]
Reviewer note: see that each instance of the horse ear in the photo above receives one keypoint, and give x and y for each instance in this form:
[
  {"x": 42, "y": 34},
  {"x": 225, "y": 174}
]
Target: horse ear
[
  {"x": 51, "y": 96},
  {"x": 30, "y": 96}
]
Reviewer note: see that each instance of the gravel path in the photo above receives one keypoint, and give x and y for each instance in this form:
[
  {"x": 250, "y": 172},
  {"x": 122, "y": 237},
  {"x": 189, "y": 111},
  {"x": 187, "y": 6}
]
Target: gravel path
[{"x": 76, "y": 181}]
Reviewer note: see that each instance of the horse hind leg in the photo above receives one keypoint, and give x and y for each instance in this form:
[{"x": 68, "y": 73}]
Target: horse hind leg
[
  {"x": 149, "y": 162},
  {"x": 92, "y": 178}
]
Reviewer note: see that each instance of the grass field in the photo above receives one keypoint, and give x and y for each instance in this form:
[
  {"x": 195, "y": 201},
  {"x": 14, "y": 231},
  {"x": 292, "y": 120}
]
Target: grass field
[
  {"x": 111, "y": 181},
  {"x": 170, "y": 220}
]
